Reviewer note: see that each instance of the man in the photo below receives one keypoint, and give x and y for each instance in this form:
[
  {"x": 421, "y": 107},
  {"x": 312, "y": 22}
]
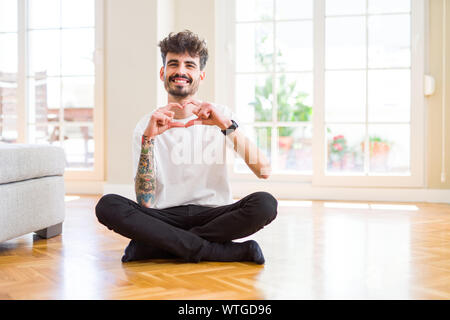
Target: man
[{"x": 184, "y": 207}]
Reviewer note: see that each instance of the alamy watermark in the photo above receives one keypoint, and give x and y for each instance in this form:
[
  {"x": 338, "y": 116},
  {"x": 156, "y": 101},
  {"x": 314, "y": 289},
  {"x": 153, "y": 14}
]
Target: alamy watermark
[{"x": 212, "y": 147}]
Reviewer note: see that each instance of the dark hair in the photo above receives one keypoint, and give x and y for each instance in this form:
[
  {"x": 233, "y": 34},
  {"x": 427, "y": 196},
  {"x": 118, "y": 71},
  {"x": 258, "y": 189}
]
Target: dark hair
[{"x": 184, "y": 41}]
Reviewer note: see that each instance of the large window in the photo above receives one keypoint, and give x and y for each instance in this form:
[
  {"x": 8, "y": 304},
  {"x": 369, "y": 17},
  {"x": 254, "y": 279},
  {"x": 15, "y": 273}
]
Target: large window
[
  {"x": 330, "y": 90},
  {"x": 50, "y": 78},
  {"x": 8, "y": 70}
]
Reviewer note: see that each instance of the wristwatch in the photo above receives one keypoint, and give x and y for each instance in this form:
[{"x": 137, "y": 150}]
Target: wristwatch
[{"x": 231, "y": 128}]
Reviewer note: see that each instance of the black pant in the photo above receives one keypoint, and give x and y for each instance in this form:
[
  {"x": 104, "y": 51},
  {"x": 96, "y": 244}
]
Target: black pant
[{"x": 185, "y": 230}]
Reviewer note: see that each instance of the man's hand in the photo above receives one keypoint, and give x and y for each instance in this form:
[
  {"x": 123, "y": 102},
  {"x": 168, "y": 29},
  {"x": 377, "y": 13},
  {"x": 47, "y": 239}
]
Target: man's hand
[
  {"x": 161, "y": 120},
  {"x": 207, "y": 115}
]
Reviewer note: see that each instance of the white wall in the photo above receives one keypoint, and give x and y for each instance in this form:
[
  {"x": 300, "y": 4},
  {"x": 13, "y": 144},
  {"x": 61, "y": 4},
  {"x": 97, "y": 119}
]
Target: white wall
[
  {"x": 165, "y": 25},
  {"x": 130, "y": 81}
]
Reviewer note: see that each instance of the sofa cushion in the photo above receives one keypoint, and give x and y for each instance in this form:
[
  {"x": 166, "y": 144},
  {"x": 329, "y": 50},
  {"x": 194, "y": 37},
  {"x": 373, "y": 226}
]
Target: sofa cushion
[{"x": 26, "y": 161}]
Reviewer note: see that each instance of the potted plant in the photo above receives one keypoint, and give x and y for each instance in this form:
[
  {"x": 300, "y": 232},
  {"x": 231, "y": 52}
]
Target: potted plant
[
  {"x": 337, "y": 150},
  {"x": 291, "y": 107},
  {"x": 379, "y": 149},
  {"x": 378, "y": 146}
]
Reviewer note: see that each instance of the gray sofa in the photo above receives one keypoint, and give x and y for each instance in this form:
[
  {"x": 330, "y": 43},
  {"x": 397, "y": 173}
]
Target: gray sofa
[{"x": 31, "y": 190}]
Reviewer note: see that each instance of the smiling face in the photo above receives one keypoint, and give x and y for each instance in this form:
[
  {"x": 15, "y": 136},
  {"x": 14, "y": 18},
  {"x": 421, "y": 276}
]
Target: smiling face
[{"x": 181, "y": 74}]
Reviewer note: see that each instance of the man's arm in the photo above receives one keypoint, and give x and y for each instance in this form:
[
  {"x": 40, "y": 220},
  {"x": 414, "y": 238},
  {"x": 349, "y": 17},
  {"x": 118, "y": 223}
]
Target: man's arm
[
  {"x": 144, "y": 182},
  {"x": 252, "y": 155}
]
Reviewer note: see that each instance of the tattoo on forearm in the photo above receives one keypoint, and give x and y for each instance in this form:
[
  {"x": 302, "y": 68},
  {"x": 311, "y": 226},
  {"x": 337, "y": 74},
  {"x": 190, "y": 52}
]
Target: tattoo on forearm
[{"x": 145, "y": 177}]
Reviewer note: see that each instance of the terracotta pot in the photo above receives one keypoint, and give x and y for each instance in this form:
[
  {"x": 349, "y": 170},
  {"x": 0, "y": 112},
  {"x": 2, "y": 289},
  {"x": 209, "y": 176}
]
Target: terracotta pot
[{"x": 377, "y": 148}]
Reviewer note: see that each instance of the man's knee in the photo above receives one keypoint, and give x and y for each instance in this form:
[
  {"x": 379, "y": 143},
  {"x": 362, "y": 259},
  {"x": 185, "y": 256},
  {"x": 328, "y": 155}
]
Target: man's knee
[
  {"x": 266, "y": 205},
  {"x": 104, "y": 207}
]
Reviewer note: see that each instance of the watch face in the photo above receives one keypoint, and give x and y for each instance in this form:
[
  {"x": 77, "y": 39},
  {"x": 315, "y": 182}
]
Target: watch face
[{"x": 231, "y": 128}]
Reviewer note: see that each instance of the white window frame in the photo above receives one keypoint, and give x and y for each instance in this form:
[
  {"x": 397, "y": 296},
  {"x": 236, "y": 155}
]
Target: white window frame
[
  {"x": 225, "y": 93},
  {"x": 97, "y": 173}
]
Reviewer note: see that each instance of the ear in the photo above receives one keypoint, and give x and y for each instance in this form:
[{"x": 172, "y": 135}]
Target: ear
[
  {"x": 161, "y": 73},
  {"x": 202, "y": 75}
]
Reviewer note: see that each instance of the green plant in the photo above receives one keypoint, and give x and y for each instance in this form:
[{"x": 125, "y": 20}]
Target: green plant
[
  {"x": 378, "y": 139},
  {"x": 262, "y": 103},
  {"x": 291, "y": 106}
]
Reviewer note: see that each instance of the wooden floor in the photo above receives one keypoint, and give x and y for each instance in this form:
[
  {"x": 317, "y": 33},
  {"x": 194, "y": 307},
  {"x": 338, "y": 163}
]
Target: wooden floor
[{"x": 313, "y": 250}]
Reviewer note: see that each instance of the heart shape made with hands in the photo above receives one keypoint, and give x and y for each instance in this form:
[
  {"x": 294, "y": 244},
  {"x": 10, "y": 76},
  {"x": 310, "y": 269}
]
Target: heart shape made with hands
[{"x": 205, "y": 112}]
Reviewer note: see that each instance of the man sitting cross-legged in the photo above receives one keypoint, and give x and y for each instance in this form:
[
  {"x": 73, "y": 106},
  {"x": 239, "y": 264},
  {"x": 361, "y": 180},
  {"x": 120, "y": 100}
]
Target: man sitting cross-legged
[{"x": 184, "y": 207}]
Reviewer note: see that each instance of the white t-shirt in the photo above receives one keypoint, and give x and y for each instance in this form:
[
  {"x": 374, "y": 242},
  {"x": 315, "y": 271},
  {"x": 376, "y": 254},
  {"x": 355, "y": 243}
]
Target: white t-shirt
[{"x": 190, "y": 163}]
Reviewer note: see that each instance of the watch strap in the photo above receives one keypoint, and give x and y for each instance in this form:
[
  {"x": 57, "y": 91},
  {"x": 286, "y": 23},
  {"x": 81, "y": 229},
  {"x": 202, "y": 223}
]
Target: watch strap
[{"x": 231, "y": 128}]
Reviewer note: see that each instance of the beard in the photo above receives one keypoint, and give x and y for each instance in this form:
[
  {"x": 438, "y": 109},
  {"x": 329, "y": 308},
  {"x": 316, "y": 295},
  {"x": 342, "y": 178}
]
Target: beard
[{"x": 181, "y": 91}]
